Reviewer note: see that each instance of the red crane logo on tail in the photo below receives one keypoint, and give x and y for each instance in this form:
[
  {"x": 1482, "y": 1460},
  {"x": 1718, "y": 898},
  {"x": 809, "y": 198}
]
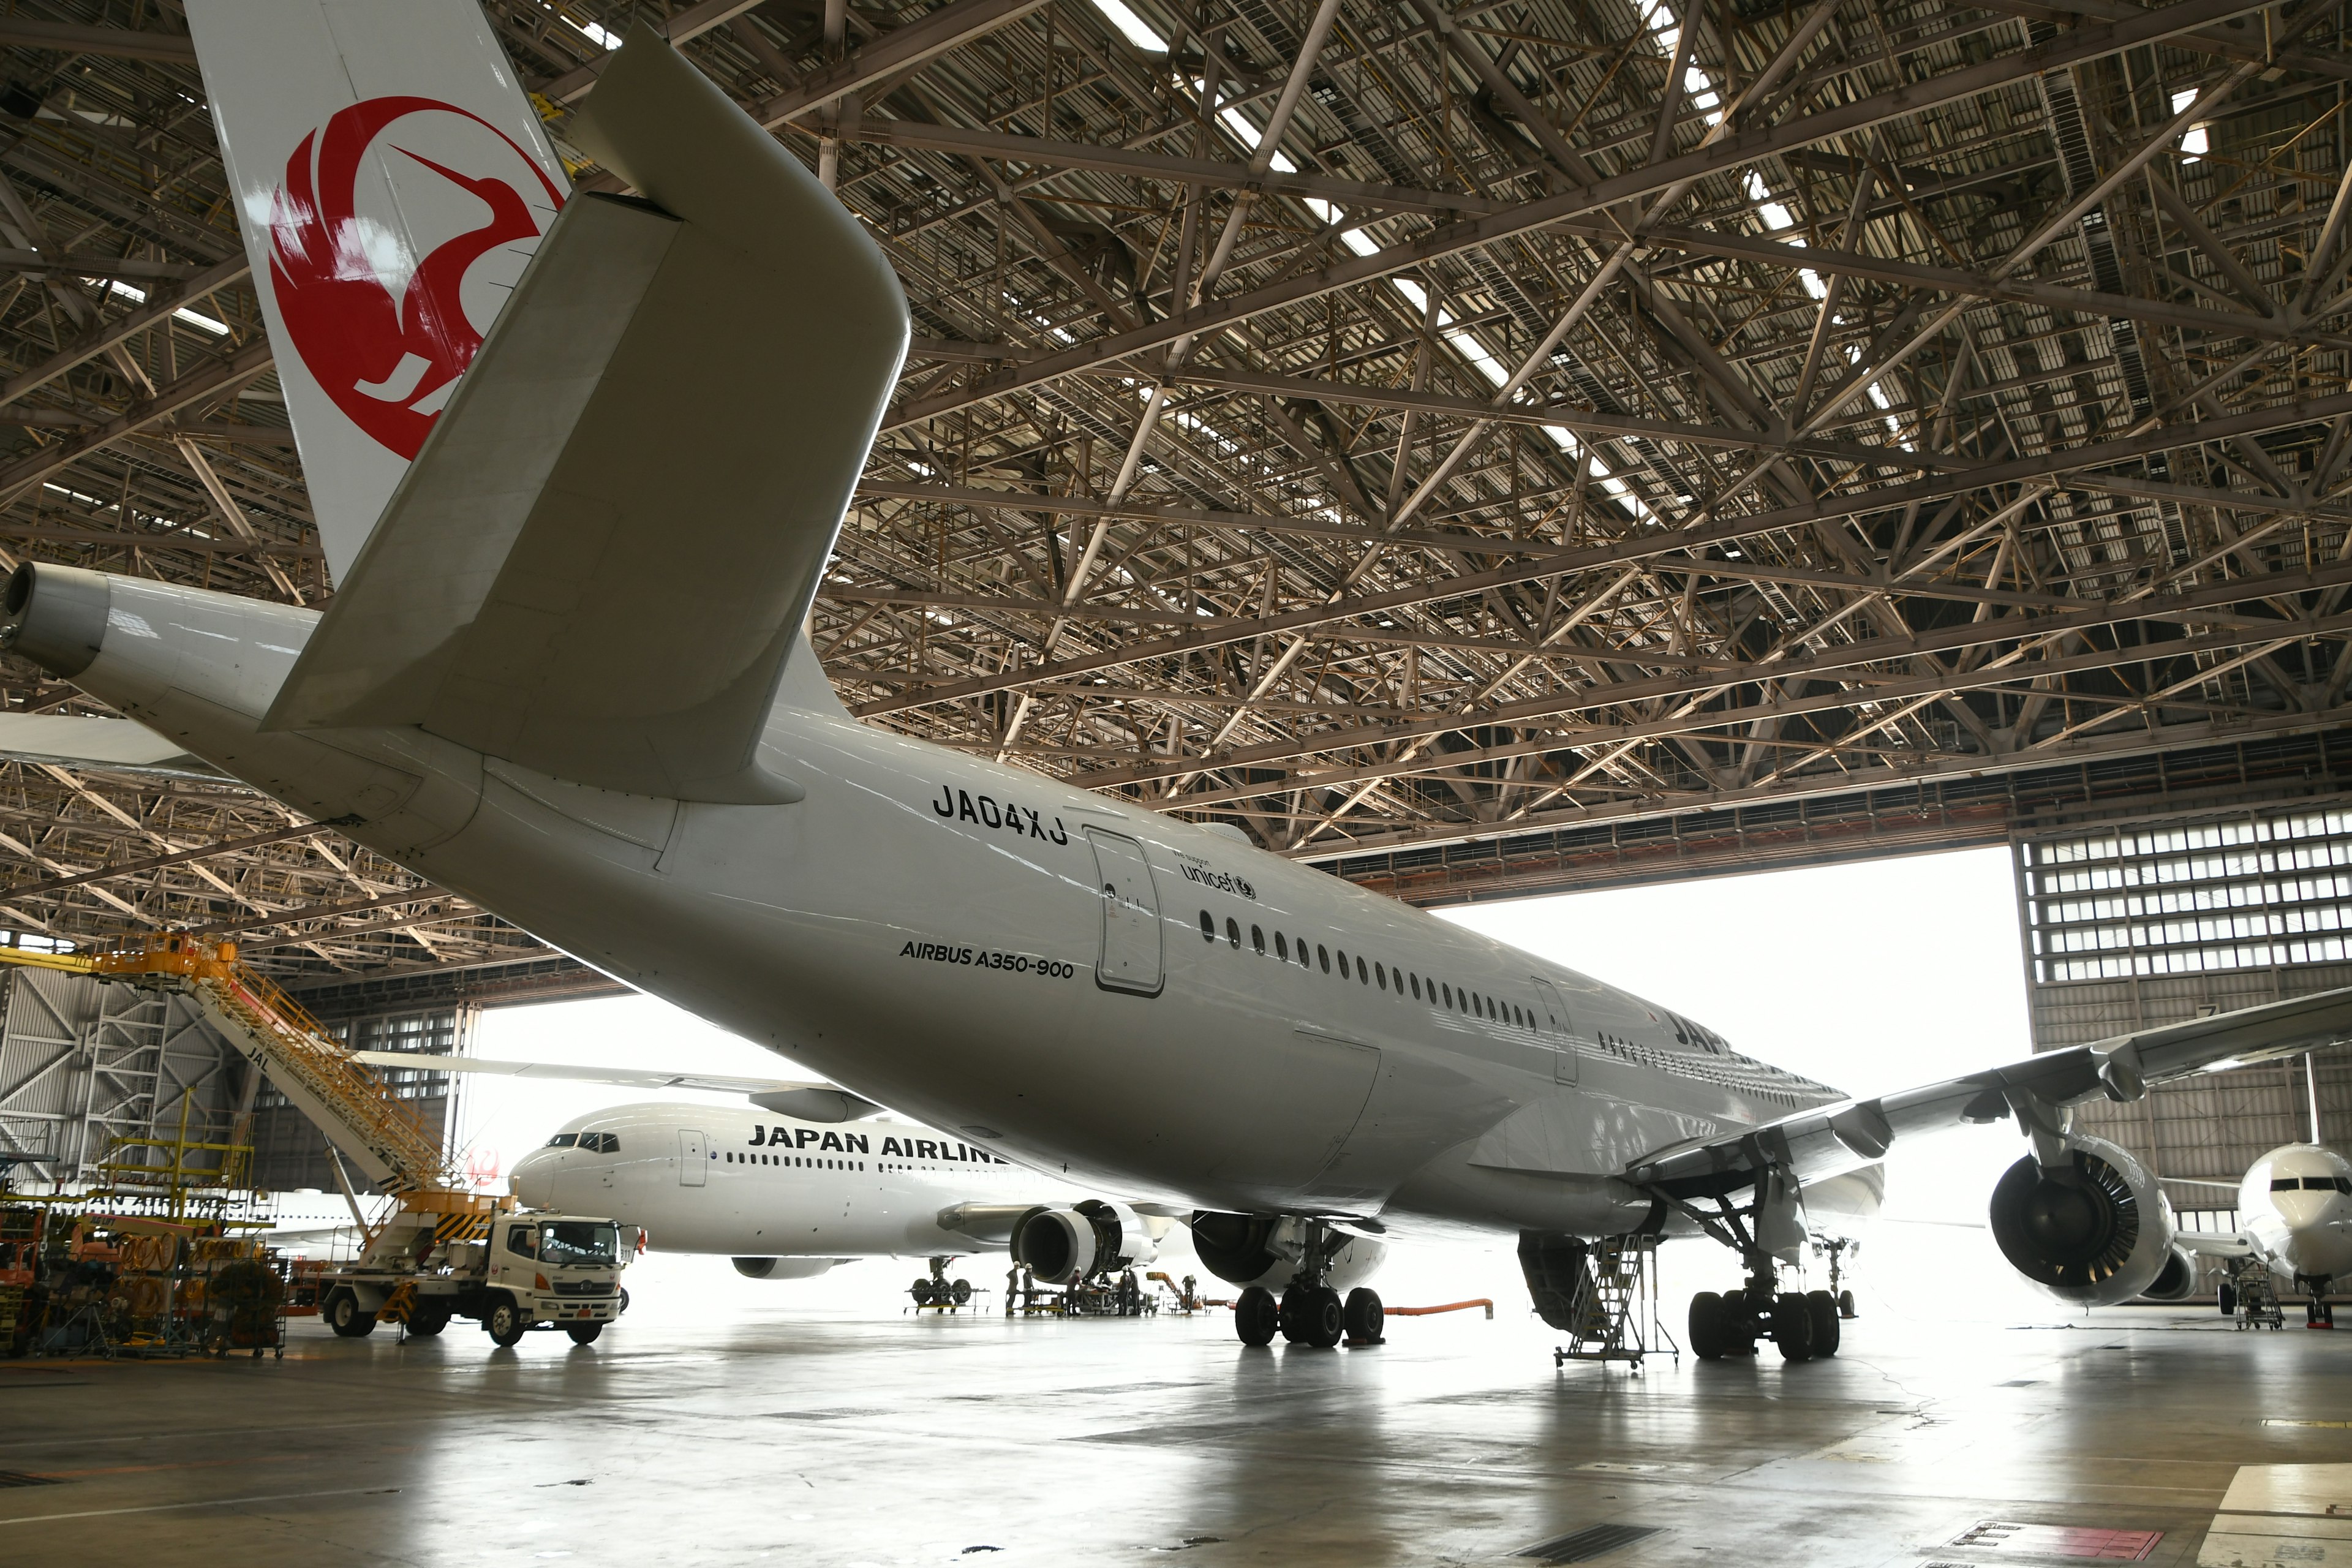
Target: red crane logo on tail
[{"x": 388, "y": 360}]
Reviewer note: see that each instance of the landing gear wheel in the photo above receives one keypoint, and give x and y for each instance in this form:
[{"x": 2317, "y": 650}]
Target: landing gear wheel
[
  {"x": 921, "y": 1291},
  {"x": 1793, "y": 1326},
  {"x": 1823, "y": 1308},
  {"x": 960, "y": 1292},
  {"x": 1312, "y": 1317},
  {"x": 585, "y": 1333},
  {"x": 1845, "y": 1305},
  {"x": 1366, "y": 1322},
  {"x": 345, "y": 1316},
  {"x": 1710, "y": 1326},
  {"x": 507, "y": 1325},
  {"x": 2228, "y": 1296},
  {"x": 428, "y": 1323},
  {"x": 1255, "y": 1316}
]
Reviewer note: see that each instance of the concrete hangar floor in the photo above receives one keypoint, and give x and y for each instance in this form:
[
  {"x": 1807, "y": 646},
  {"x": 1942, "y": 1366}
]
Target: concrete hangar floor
[{"x": 730, "y": 1429}]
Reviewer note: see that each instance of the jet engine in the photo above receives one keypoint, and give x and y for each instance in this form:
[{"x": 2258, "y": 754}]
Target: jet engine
[
  {"x": 782, "y": 1268},
  {"x": 1062, "y": 1247},
  {"x": 2094, "y": 1232},
  {"x": 2175, "y": 1282},
  {"x": 1264, "y": 1249}
]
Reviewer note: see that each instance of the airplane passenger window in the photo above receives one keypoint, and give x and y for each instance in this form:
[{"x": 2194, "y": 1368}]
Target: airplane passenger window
[
  {"x": 1415, "y": 979},
  {"x": 1343, "y": 965},
  {"x": 1257, "y": 940},
  {"x": 1234, "y": 932},
  {"x": 1323, "y": 954},
  {"x": 1281, "y": 947},
  {"x": 1380, "y": 976},
  {"x": 1363, "y": 974},
  {"x": 1208, "y": 926},
  {"x": 1302, "y": 953}
]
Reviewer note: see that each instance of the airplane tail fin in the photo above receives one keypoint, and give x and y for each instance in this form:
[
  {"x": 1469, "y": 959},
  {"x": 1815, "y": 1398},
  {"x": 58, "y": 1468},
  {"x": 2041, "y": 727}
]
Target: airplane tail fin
[
  {"x": 391, "y": 182},
  {"x": 600, "y": 564}
]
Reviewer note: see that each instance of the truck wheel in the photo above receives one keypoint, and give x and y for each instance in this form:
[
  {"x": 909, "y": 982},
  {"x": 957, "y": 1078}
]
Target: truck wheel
[
  {"x": 428, "y": 1323},
  {"x": 346, "y": 1318},
  {"x": 507, "y": 1324},
  {"x": 585, "y": 1333}
]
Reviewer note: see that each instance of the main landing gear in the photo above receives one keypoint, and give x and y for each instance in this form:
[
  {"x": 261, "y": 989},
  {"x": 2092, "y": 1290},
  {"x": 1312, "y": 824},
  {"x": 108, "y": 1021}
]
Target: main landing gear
[
  {"x": 2317, "y": 1312},
  {"x": 1310, "y": 1311},
  {"x": 1803, "y": 1327}
]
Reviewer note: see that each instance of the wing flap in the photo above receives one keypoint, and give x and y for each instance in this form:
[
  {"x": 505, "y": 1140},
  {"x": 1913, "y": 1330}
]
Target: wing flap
[{"x": 599, "y": 564}]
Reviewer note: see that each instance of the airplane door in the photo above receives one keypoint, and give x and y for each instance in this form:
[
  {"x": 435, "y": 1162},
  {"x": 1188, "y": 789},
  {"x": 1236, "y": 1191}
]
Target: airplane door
[
  {"x": 1131, "y": 916},
  {"x": 1563, "y": 1065},
  {"x": 693, "y": 1159}
]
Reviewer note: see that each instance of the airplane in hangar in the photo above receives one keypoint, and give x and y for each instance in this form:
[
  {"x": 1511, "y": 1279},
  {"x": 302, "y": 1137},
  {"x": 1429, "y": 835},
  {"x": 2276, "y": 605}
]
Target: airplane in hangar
[
  {"x": 806, "y": 1175},
  {"x": 565, "y": 676},
  {"x": 2295, "y": 1216}
]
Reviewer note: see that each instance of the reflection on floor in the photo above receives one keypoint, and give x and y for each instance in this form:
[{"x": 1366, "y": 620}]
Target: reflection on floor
[{"x": 774, "y": 1432}]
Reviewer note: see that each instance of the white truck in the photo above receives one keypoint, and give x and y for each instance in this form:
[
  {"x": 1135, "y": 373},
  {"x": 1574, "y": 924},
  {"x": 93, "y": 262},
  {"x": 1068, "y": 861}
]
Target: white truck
[{"x": 529, "y": 1271}]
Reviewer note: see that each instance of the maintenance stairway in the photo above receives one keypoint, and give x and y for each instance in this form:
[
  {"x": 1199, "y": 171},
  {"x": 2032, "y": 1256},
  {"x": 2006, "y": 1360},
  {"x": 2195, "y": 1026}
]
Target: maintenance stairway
[
  {"x": 359, "y": 1113},
  {"x": 1602, "y": 1294}
]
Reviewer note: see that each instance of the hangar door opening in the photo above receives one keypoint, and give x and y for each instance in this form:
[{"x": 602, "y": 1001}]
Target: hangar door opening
[{"x": 1130, "y": 915}]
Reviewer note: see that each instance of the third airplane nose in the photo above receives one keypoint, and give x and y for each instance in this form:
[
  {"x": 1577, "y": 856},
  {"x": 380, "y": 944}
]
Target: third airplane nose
[{"x": 533, "y": 1179}]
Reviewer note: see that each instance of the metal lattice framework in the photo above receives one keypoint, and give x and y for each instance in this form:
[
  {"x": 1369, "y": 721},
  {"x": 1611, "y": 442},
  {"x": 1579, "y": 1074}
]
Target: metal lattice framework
[{"x": 1374, "y": 423}]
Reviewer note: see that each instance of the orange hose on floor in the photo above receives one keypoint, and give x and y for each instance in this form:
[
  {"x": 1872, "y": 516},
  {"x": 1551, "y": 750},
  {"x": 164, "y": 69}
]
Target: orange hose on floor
[{"x": 1449, "y": 1306}]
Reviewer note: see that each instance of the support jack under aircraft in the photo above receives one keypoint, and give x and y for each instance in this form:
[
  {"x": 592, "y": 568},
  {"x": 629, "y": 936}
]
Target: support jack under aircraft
[{"x": 565, "y": 675}]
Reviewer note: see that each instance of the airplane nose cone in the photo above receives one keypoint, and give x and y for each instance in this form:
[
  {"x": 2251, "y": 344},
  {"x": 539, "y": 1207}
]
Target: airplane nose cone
[{"x": 533, "y": 1179}]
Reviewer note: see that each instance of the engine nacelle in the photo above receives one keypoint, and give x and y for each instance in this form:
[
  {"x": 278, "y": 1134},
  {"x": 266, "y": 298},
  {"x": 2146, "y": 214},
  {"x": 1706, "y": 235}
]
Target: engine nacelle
[
  {"x": 782, "y": 1268},
  {"x": 1062, "y": 1247},
  {"x": 1264, "y": 1249},
  {"x": 2175, "y": 1282},
  {"x": 2095, "y": 1234}
]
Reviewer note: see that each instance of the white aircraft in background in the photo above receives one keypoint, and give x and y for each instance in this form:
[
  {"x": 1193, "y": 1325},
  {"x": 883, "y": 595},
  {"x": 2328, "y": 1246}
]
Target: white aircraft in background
[
  {"x": 2294, "y": 1214},
  {"x": 564, "y": 674}
]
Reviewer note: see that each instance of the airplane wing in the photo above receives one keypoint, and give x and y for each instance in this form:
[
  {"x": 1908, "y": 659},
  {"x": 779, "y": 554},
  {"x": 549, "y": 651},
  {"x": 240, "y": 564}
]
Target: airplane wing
[
  {"x": 2214, "y": 1243},
  {"x": 1829, "y": 1140},
  {"x": 598, "y": 565},
  {"x": 808, "y": 1101},
  {"x": 76, "y": 741}
]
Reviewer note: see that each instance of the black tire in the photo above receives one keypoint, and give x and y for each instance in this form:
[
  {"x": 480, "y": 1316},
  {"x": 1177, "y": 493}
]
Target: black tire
[
  {"x": 1845, "y": 1305},
  {"x": 1256, "y": 1318},
  {"x": 624, "y": 1305},
  {"x": 2227, "y": 1295},
  {"x": 1822, "y": 1307},
  {"x": 345, "y": 1316},
  {"x": 1710, "y": 1327},
  {"x": 921, "y": 1291},
  {"x": 1320, "y": 1315},
  {"x": 583, "y": 1333},
  {"x": 507, "y": 1324},
  {"x": 960, "y": 1292},
  {"x": 1366, "y": 1319},
  {"x": 428, "y": 1323},
  {"x": 1793, "y": 1326}
]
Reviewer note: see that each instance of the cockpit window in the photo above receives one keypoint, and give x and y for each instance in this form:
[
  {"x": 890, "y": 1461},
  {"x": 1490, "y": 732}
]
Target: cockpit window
[
  {"x": 2311, "y": 1184},
  {"x": 563, "y": 1141},
  {"x": 601, "y": 1142}
]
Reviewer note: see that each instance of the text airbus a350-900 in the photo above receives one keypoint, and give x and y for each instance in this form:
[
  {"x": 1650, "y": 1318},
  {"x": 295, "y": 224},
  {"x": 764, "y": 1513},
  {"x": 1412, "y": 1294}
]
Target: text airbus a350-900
[{"x": 565, "y": 676}]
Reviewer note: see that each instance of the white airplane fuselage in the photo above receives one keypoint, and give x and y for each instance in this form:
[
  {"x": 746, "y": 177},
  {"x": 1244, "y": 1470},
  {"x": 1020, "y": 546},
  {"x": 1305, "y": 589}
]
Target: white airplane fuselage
[
  {"x": 2294, "y": 1205},
  {"x": 745, "y": 1182},
  {"x": 932, "y": 931}
]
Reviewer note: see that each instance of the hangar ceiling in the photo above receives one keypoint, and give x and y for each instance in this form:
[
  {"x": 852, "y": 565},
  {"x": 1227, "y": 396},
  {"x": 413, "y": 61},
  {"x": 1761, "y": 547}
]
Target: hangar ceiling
[{"x": 1387, "y": 426}]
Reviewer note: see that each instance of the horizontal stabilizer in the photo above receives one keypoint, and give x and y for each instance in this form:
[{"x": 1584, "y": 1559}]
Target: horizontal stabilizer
[
  {"x": 77, "y": 741},
  {"x": 601, "y": 560}
]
